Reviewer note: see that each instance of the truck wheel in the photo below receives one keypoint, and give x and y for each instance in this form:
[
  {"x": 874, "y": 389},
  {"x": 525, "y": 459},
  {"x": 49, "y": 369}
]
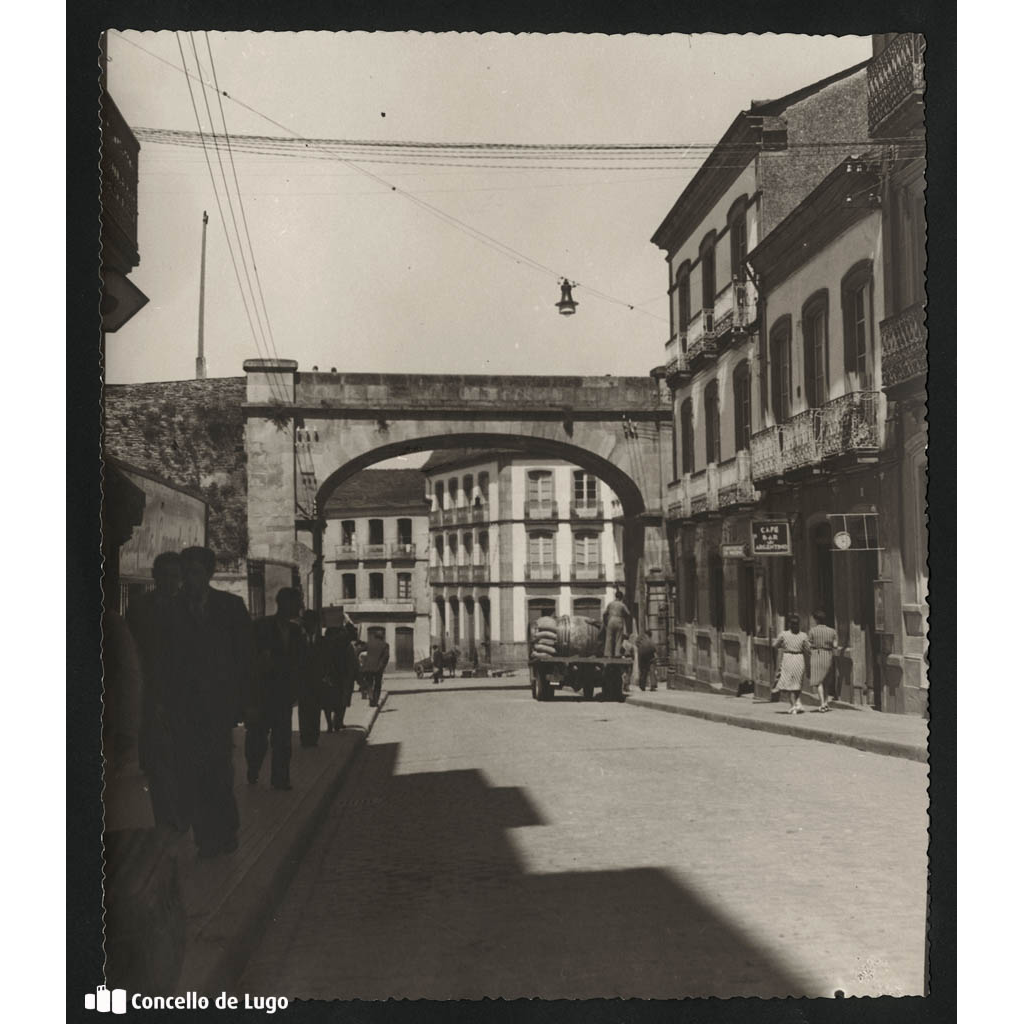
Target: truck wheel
[{"x": 534, "y": 684}]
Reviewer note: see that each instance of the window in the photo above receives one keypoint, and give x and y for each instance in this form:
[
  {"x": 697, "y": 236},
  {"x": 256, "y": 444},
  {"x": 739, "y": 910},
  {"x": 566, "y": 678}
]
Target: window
[
  {"x": 712, "y": 428},
  {"x": 707, "y": 272},
  {"x": 405, "y": 586},
  {"x": 484, "y": 543},
  {"x": 738, "y": 239},
  {"x": 376, "y": 531},
  {"x": 586, "y": 549},
  {"x": 405, "y": 531},
  {"x": 348, "y": 586},
  {"x": 539, "y": 487},
  {"x": 467, "y": 489},
  {"x": 584, "y": 489},
  {"x": 376, "y": 586},
  {"x": 541, "y": 549},
  {"x": 781, "y": 368},
  {"x": 683, "y": 299},
  {"x": 815, "y": 329},
  {"x": 439, "y": 550},
  {"x": 467, "y": 548},
  {"x": 587, "y": 607},
  {"x": 483, "y": 483},
  {"x": 741, "y": 405},
  {"x": 453, "y": 492},
  {"x": 686, "y": 427},
  {"x": 348, "y": 532},
  {"x": 857, "y": 320},
  {"x": 438, "y": 496}
]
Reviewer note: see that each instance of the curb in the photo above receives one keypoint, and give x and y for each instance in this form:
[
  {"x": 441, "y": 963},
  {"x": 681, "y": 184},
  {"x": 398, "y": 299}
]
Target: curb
[
  {"x": 218, "y": 955},
  {"x": 870, "y": 744}
]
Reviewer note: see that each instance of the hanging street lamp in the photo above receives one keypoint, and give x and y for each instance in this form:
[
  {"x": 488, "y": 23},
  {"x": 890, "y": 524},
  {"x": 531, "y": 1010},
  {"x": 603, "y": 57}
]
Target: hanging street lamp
[{"x": 566, "y": 304}]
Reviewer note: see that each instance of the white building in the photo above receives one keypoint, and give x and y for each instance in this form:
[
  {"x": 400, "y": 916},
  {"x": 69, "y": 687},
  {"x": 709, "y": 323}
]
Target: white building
[{"x": 513, "y": 538}]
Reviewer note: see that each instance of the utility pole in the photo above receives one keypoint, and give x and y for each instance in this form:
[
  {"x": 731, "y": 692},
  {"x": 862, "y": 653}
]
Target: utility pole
[{"x": 200, "y": 358}]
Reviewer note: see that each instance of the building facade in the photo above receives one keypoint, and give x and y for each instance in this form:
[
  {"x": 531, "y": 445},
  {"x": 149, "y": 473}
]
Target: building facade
[
  {"x": 513, "y": 538},
  {"x": 785, "y": 445},
  {"x": 375, "y": 560}
]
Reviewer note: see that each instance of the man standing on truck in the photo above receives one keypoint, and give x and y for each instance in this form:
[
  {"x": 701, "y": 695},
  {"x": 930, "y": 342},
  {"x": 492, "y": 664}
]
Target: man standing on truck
[{"x": 617, "y": 620}]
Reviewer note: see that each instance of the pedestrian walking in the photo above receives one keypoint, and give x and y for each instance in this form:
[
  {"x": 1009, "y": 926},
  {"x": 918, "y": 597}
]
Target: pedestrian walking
[
  {"x": 794, "y": 663},
  {"x": 364, "y": 679},
  {"x": 646, "y": 653},
  {"x": 617, "y": 620},
  {"x": 210, "y": 645},
  {"x": 437, "y": 664},
  {"x": 824, "y": 644},
  {"x": 315, "y": 676},
  {"x": 378, "y": 654},
  {"x": 268, "y": 720},
  {"x": 148, "y": 617}
]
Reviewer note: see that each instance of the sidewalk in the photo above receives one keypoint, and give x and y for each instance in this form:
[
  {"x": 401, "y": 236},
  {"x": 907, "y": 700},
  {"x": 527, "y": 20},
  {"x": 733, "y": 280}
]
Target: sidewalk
[
  {"x": 894, "y": 735},
  {"x": 227, "y": 900}
]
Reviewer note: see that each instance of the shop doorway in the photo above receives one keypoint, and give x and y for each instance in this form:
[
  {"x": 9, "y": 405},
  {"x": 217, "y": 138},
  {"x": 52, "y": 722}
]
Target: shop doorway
[
  {"x": 824, "y": 578},
  {"x": 404, "y": 652}
]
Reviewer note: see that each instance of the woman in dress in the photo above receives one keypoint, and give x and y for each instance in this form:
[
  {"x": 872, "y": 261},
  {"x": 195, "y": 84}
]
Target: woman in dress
[
  {"x": 824, "y": 644},
  {"x": 794, "y": 663}
]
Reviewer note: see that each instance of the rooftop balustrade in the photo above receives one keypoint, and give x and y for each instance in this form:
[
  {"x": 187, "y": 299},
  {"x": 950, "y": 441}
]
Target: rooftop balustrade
[{"x": 895, "y": 81}]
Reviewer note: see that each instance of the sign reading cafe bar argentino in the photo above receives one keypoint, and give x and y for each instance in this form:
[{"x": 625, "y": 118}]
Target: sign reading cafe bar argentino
[{"x": 770, "y": 537}]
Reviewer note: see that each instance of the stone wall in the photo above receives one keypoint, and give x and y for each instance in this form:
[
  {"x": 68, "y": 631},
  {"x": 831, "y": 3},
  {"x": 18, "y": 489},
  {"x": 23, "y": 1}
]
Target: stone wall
[{"x": 191, "y": 433}]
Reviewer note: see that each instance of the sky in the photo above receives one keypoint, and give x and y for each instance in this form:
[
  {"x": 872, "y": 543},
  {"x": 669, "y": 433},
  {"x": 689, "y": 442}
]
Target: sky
[{"x": 354, "y": 274}]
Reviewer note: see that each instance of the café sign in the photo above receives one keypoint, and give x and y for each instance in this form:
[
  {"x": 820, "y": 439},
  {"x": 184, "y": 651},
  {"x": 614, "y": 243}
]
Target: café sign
[{"x": 770, "y": 537}]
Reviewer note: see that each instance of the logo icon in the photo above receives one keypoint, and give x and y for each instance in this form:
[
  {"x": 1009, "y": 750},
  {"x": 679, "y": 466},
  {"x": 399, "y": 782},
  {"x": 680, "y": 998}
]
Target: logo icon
[{"x": 107, "y": 1000}]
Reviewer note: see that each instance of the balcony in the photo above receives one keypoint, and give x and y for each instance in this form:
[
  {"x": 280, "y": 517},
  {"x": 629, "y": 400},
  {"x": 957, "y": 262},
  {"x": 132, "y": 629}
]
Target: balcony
[
  {"x": 448, "y": 574},
  {"x": 801, "y": 440},
  {"x": 448, "y": 517},
  {"x": 735, "y": 311},
  {"x": 436, "y": 517},
  {"x": 381, "y": 606},
  {"x": 676, "y": 372},
  {"x": 674, "y": 496},
  {"x": 896, "y": 85},
  {"x": 904, "y": 346},
  {"x": 590, "y": 571},
  {"x": 119, "y": 171},
  {"x": 698, "y": 493},
  {"x": 462, "y": 514},
  {"x": 850, "y": 424},
  {"x": 346, "y": 552},
  {"x": 435, "y": 574},
  {"x": 463, "y": 573},
  {"x": 374, "y": 552},
  {"x": 403, "y": 551},
  {"x": 479, "y": 514},
  {"x": 537, "y": 511},
  {"x": 701, "y": 342},
  {"x": 481, "y": 573},
  {"x": 540, "y": 572},
  {"x": 766, "y": 454},
  {"x": 586, "y": 510},
  {"x": 735, "y": 483}
]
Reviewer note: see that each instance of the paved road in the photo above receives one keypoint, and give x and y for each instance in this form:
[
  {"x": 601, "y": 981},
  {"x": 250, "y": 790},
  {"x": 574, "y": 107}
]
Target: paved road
[{"x": 489, "y": 845}]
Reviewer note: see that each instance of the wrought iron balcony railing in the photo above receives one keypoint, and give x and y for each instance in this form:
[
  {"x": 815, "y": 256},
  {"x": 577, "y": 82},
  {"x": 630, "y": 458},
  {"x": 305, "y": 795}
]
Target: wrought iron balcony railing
[
  {"x": 701, "y": 343},
  {"x": 346, "y": 552},
  {"x": 448, "y": 573},
  {"x": 463, "y": 573},
  {"x": 403, "y": 551},
  {"x": 895, "y": 78},
  {"x": 904, "y": 346},
  {"x": 589, "y": 571},
  {"x": 850, "y": 424},
  {"x": 448, "y": 517},
  {"x": 766, "y": 454},
  {"x": 535, "y": 510},
  {"x": 801, "y": 440},
  {"x": 734, "y": 308},
  {"x": 462, "y": 514},
  {"x": 546, "y": 571}
]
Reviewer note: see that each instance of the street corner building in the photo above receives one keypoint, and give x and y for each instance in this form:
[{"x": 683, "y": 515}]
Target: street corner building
[{"x": 797, "y": 364}]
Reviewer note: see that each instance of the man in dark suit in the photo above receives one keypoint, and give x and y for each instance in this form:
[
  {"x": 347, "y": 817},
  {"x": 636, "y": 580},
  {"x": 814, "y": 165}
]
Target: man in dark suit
[
  {"x": 378, "y": 654},
  {"x": 279, "y": 653},
  {"x": 210, "y": 654}
]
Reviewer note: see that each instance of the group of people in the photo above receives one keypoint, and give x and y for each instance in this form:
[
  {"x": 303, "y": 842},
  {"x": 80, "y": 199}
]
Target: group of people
[
  {"x": 810, "y": 656},
  {"x": 206, "y": 666}
]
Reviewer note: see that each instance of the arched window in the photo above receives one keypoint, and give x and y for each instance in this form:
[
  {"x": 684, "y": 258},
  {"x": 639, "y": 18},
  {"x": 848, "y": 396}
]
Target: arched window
[
  {"x": 484, "y": 547},
  {"x": 683, "y": 300},
  {"x": 712, "y": 426},
  {"x": 780, "y": 354},
  {"x": 439, "y": 550},
  {"x": 707, "y": 272},
  {"x": 438, "y": 496},
  {"x": 741, "y": 405},
  {"x": 814, "y": 320},
  {"x": 858, "y": 340},
  {"x": 453, "y": 492},
  {"x": 738, "y": 239},
  {"x": 467, "y": 549},
  {"x": 686, "y": 435}
]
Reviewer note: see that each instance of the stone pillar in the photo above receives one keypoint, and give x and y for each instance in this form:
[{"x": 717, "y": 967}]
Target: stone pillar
[{"x": 270, "y": 457}]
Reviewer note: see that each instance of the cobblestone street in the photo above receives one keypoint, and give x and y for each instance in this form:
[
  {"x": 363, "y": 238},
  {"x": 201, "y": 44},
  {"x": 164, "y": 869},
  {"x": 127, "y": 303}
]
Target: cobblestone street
[{"x": 489, "y": 845}]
